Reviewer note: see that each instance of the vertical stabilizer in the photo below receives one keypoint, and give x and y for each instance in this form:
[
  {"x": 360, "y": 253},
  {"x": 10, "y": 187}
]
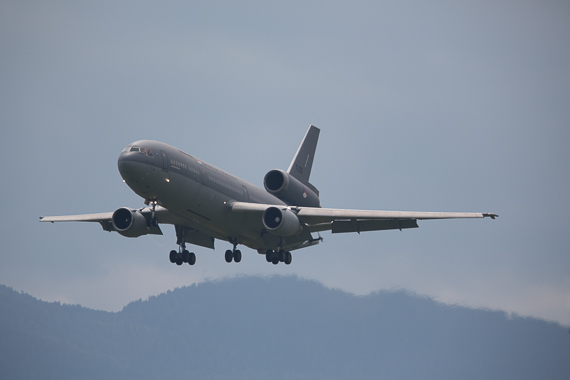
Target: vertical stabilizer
[{"x": 302, "y": 163}]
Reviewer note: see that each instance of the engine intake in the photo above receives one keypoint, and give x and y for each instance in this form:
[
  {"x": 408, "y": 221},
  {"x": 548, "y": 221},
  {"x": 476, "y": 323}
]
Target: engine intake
[
  {"x": 290, "y": 190},
  {"x": 281, "y": 222},
  {"x": 129, "y": 222}
]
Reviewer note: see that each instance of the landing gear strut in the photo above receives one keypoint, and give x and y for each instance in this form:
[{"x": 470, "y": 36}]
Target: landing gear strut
[{"x": 183, "y": 255}]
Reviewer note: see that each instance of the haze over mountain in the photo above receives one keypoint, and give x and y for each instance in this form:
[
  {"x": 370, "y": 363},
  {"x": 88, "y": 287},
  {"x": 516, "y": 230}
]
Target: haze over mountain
[{"x": 279, "y": 327}]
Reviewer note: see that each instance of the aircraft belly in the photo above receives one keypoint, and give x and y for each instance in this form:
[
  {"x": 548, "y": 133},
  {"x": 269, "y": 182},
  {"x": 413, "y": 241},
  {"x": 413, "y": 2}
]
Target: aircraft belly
[{"x": 201, "y": 208}]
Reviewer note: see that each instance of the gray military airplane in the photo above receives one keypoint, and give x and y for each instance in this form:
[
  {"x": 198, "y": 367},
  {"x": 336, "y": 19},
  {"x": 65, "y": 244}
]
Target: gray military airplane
[{"x": 205, "y": 203}]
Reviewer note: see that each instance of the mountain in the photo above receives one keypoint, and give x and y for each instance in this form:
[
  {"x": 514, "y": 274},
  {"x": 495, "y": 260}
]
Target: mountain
[{"x": 279, "y": 328}]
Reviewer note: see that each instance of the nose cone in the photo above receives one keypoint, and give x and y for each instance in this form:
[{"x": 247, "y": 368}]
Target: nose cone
[
  {"x": 136, "y": 165},
  {"x": 127, "y": 167}
]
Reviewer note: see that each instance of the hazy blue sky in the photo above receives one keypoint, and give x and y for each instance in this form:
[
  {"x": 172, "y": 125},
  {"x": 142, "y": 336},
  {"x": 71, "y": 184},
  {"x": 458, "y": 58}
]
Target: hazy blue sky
[{"x": 423, "y": 106}]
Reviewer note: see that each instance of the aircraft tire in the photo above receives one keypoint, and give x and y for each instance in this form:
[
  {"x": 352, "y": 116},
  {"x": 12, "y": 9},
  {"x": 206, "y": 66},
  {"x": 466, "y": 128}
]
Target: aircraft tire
[
  {"x": 173, "y": 255},
  {"x": 185, "y": 256},
  {"x": 287, "y": 258},
  {"x": 229, "y": 256},
  {"x": 275, "y": 259},
  {"x": 192, "y": 258},
  {"x": 237, "y": 255},
  {"x": 179, "y": 261},
  {"x": 268, "y": 255}
]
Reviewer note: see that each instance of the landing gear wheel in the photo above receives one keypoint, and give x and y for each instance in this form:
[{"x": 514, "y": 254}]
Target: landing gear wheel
[
  {"x": 281, "y": 255},
  {"x": 229, "y": 256},
  {"x": 268, "y": 255},
  {"x": 287, "y": 258},
  {"x": 237, "y": 255},
  {"x": 183, "y": 255}
]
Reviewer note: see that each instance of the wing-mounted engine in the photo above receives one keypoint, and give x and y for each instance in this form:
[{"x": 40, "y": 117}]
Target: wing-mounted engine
[
  {"x": 281, "y": 222},
  {"x": 290, "y": 190},
  {"x": 132, "y": 223}
]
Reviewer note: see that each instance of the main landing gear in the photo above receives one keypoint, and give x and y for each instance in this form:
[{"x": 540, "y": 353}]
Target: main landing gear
[
  {"x": 182, "y": 257},
  {"x": 278, "y": 256},
  {"x": 234, "y": 254}
]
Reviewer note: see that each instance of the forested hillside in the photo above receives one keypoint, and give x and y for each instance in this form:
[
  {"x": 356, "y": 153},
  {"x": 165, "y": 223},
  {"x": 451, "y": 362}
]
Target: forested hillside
[{"x": 279, "y": 327}]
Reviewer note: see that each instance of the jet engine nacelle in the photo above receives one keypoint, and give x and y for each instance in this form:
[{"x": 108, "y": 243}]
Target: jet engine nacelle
[
  {"x": 281, "y": 222},
  {"x": 289, "y": 189},
  {"x": 129, "y": 222}
]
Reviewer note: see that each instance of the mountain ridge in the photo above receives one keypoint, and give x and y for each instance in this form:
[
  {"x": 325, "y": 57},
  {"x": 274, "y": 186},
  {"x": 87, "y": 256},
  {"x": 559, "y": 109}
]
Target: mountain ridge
[{"x": 281, "y": 327}]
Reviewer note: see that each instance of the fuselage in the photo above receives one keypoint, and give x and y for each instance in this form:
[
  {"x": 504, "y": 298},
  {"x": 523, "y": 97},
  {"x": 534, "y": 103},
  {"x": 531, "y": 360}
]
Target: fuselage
[{"x": 193, "y": 189}]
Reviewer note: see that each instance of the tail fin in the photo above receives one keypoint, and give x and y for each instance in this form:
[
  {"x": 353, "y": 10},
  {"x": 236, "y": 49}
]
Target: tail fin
[{"x": 302, "y": 163}]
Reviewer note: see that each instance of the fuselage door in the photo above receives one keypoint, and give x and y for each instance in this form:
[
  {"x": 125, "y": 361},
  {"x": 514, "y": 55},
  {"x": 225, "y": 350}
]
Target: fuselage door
[{"x": 164, "y": 160}]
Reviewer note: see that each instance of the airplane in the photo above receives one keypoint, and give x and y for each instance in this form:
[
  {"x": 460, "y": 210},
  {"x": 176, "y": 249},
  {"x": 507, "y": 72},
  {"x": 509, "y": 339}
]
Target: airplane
[{"x": 205, "y": 203}]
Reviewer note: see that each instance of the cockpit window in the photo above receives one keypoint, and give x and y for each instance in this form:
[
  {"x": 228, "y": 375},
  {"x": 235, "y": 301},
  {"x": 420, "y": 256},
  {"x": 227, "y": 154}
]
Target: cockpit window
[
  {"x": 136, "y": 149},
  {"x": 147, "y": 151}
]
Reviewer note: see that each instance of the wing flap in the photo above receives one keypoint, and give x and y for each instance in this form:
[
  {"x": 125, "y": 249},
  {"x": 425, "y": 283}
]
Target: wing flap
[
  {"x": 340, "y": 226},
  {"x": 324, "y": 215},
  {"x": 199, "y": 238}
]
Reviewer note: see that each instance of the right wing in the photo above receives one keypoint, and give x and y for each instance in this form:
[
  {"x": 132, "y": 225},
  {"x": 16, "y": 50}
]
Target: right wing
[
  {"x": 162, "y": 215},
  {"x": 105, "y": 218}
]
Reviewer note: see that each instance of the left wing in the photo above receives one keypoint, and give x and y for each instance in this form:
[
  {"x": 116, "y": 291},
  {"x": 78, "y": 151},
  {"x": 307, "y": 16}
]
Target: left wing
[{"x": 341, "y": 220}]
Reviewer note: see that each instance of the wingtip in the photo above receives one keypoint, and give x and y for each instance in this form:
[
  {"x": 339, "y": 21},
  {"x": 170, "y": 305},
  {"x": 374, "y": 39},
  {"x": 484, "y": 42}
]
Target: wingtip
[{"x": 490, "y": 215}]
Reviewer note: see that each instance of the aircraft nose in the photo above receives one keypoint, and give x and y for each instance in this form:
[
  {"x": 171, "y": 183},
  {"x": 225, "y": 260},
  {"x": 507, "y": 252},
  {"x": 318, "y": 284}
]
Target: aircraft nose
[
  {"x": 125, "y": 165},
  {"x": 134, "y": 165}
]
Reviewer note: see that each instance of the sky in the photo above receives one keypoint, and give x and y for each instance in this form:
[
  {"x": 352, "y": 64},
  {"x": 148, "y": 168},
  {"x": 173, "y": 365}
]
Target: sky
[{"x": 422, "y": 106}]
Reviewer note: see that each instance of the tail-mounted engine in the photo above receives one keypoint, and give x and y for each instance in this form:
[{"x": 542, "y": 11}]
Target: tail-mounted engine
[
  {"x": 290, "y": 190},
  {"x": 281, "y": 222},
  {"x": 129, "y": 222}
]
